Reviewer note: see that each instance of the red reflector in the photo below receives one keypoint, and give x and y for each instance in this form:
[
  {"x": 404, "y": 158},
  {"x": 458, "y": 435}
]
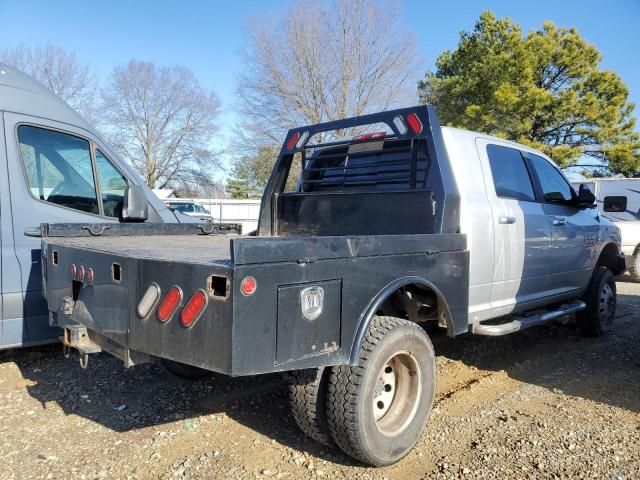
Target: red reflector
[
  {"x": 73, "y": 271},
  {"x": 81, "y": 273},
  {"x": 169, "y": 304},
  {"x": 193, "y": 309},
  {"x": 293, "y": 139},
  {"x": 89, "y": 275},
  {"x": 248, "y": 286},
  {"x": 368, "y": 136},
  {"x": 414, "y": 123}
]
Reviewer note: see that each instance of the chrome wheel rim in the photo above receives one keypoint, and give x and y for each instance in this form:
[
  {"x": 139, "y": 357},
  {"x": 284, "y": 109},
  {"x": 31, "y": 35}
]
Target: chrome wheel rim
[
  {"x": 397, "y": 393},
  {"x": 607, "y": 303}
]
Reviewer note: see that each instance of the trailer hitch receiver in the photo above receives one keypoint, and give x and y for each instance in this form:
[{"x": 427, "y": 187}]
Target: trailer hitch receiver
[{"x": 76, "y": 336}]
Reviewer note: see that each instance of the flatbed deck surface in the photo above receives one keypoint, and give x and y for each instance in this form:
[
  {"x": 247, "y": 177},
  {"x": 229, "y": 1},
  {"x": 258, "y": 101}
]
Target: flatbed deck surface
[{"x": 200, "y": 249}]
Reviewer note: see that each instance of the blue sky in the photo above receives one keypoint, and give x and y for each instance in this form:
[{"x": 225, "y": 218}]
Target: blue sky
[{"x": 208, "y": 36}]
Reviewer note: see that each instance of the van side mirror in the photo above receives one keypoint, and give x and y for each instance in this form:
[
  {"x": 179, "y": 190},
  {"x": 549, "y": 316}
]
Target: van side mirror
[
  {"x": 135, "y": 207},
  {"x": 586, "y": 198}
]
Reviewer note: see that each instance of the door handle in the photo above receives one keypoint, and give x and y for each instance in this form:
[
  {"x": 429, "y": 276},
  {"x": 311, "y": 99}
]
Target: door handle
[
  {"x": 558, "y": 222},
  {"x": 506, "y": 220}
]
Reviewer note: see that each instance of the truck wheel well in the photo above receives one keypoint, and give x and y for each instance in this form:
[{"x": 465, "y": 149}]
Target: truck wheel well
[
  {"x": 415, "y": 302},
  {"x": 412, "y": 298},
  {"x": 609, "y": 258}
]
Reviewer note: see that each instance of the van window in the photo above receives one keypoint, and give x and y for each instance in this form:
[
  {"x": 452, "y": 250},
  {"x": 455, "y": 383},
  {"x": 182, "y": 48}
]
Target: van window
[
  {"x": 510, "y": 175},
  {"x": 555, "y": 187},
  {"x": 58, "y": 168},
  {"x": 112, "y": 185}
]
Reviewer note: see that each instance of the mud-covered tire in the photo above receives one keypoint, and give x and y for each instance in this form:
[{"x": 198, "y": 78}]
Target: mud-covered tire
[
  {"x": 371, "y": 420},
  {"x": 307, "y": 396},
  {"x": 634, "y": 265},
  {"x": 182, "y": 370},
  {"x": 600, "y": 298}
]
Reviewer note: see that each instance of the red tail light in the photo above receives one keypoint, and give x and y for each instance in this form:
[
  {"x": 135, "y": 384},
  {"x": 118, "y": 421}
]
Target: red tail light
[
  {"x": 194, "y": 308},
  {"x": 73, "y": 271},
  {"x": 368, "y": 136},
  {"x": 248, "y": 286},
  {"x": 293, "y": 139},
  {"x": 80, "y": 273},
  {"x": 169, "y": 304},
  {"x": 414, "y": 123}
]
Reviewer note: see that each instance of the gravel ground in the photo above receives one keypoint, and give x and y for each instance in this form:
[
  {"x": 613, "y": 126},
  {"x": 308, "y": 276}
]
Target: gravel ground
[{"x": 543, "y": 403}]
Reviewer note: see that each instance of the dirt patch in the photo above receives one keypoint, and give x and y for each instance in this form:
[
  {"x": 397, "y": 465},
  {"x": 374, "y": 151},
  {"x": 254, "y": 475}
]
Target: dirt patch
[{"x": 543, "y": 403}]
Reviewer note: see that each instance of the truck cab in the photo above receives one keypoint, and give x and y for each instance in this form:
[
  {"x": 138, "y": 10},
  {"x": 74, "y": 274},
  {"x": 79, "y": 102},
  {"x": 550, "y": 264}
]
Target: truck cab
[{"x": 54, "y": 167}]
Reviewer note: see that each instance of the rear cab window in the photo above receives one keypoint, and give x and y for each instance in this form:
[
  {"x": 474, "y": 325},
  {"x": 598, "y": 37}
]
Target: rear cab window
[
  {"x": 511, "y": 178},
  {"x": 368, "y": 166}
]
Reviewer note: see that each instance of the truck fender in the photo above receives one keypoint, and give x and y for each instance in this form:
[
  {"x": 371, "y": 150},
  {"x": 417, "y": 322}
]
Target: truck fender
[{"x": 379, "y": 299}]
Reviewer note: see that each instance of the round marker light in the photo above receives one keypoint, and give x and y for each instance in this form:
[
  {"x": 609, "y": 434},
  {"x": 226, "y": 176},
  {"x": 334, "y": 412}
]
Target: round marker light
[
  {"x": 73, "y": 271},
  {"x": 81, "y": 273},
  {"x": 248, "y": 286}
]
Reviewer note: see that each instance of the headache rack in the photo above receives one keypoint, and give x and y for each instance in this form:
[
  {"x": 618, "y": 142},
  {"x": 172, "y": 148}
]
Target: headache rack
[
  {"x": 385, "y": 162},
  {"x": 326, "y": 184}
]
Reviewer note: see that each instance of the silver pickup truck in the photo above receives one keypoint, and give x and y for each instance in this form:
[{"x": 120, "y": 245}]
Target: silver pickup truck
[{"x": 364, "y": 244}]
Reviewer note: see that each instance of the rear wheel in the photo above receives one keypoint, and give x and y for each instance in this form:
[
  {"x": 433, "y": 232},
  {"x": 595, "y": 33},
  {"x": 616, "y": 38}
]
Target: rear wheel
[
  {"x": 600, "y": 298},
  {"x": 377, "y": 410},
  {"x": 183, "y": 370},
  {"x": 307, "y": 396}
]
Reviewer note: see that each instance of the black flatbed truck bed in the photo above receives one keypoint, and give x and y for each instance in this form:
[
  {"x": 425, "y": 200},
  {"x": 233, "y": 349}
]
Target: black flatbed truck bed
[{"x": 368, "y": 239}]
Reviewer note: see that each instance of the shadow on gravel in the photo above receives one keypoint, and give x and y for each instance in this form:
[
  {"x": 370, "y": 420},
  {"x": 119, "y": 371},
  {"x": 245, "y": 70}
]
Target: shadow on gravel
[
  {"x": 147, "y": 395},
  {"x": 553, "y": 356},
  {"x": 557, "y": 357}
]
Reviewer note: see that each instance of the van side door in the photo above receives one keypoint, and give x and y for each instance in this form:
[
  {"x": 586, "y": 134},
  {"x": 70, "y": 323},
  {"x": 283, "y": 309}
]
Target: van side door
[
  {"x": 522, "y": 239},
  {"x": 575, "y": 232}
]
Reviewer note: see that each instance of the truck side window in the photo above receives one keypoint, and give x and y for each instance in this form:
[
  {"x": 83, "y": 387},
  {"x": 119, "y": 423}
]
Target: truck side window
[
  {"x": 58, "y": 168},
  {"x": 510, "y": 175},
  {"x": 112, "y": 185},
  {"x": 555, "y": 187}
]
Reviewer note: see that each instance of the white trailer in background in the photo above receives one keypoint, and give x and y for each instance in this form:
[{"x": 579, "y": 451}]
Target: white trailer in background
[
  {"x": 618, "y": 200},
  {"x": 223, "y": 210}
]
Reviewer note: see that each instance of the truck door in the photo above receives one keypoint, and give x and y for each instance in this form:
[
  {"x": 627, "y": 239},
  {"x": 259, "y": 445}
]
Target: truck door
[
  {"x": 574, "y": 231},
  {"x": 522, "y": 239},
  {"x": 53, "y": 172}
]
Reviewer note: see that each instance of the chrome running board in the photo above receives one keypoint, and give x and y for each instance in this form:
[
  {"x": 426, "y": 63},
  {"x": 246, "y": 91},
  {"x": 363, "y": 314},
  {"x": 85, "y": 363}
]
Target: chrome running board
[{"x": 526, "y": 322}]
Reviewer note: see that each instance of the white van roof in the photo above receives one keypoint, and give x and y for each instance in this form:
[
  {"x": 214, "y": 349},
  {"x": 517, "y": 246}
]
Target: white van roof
[{"x": 19, "y": 93}]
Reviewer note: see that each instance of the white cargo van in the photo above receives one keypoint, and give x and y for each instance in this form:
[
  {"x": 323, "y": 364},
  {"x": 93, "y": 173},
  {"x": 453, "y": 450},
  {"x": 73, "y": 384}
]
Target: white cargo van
[{"x": 54, "y": 167}]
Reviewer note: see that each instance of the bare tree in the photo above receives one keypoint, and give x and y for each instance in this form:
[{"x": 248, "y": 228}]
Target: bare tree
[
  {"x": 162, "y": 121},
  {"x": 325, "y": 60},
  {"x": 69, "y": 78}
]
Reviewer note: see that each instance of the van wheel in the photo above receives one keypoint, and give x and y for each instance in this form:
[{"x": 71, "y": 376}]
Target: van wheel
[
  {"x": 600, "y": 298},
  {"x": 183, "y": 370},
  {"x": 634, "y": 267},
  {"x": 307, "y": 396},
  {"x": 378, "y": 409}
]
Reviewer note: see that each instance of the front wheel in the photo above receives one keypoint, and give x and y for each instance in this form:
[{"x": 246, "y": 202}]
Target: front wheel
[
  {"x": 377, "y": 410},
  {"x": 600, "y": 298}
]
